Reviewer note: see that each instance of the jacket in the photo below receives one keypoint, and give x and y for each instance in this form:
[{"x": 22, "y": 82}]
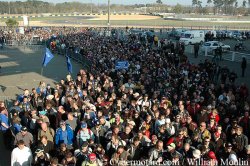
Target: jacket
[{"x": 70, "y": 135}]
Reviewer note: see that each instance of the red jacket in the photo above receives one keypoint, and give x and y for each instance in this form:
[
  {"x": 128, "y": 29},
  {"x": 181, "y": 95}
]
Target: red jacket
[
  {"x": 193, "y": 111},
  {"x": 217, "y": 117}
]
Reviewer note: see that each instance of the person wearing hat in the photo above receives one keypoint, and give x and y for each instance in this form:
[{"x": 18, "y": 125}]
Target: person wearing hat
[
  {"x": 177, "y": 140},
  {"x": 218, "y": 142},
  {"x": 44, "y": 118},
  {"x": 246, "y": 155},
  {"x": 171, "y": 149},
  {"x": 194, "y": 160},
  {"x": 41, "y": 158},
  {"x": 21, "y": 155},
  {"x": 64, "y": 134},
  {"x": 226, "y": 151},
  {"x": 92, "y": 161},
  {"x": 212, "y": 158},
  {"x": 84, "y": 134},
  {"x": 24, "y": 135}
]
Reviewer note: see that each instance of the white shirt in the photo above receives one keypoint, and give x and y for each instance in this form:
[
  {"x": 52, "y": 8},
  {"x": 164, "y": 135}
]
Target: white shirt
[{"x": 21, "y": 157}]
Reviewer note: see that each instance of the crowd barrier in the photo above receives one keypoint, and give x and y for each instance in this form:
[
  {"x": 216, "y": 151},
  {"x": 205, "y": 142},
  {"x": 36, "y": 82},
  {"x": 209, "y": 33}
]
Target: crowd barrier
[
  {"x": 74, "y": 54},
  {"x": 232, "y": 56}
]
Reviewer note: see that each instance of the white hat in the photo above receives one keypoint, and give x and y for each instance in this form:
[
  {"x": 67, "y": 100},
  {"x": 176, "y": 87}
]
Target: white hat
[
  {"x": 132, "y": 123},
  {"x": 49, "y": 97},
  {"x": 247, "y": 147},
  {"x": 232, "y": 157},
  {"x": 168, "y": 120},
  {"x": 136, "y": 94},
  {"x": 197, "y": 153}
]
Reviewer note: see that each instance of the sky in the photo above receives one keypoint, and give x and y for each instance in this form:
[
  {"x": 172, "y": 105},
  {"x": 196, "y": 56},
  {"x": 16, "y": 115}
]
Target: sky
[{"x": 169, "y": 2}]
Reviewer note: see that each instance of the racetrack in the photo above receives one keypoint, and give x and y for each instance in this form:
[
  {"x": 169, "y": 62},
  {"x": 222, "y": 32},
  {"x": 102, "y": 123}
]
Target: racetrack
[{"x": 137, "y": 21}]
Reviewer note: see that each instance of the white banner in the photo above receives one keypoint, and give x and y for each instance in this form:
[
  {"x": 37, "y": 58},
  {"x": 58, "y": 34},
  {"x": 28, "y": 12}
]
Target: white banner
[
  {"x": 25, "y": 21},
  {"x": 21, "y": 30}
]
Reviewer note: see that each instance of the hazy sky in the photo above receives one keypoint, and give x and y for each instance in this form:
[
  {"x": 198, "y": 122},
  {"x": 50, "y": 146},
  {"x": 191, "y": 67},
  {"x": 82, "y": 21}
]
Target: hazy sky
[{"x": 169, "y": 2}]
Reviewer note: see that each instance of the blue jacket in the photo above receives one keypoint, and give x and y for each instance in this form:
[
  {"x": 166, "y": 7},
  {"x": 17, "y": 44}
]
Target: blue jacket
[{"x": 59, "y": 137}]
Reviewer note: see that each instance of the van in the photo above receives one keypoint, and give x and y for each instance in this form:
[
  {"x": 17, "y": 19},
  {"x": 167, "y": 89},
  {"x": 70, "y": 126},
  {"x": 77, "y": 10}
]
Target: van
[{"x": 192, "y": 37}]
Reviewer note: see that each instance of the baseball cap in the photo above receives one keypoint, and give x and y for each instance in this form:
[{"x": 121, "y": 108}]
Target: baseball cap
[
  {"x": 211, "y": 155},
  {"x": 39, "y": 150},
  {"x": 62, "y": 122},
  {"x": 247, "y": 147},
  {"x": 43, "y": 112},
  {"x": 229, "y": 144},
  {"x": 24, "y": 128},
  {"x": 92, "y": 156},
  {"x": 85, "y": 144},
  {"x": 217, "y": 134},
  {"x": 197, "y": 153},
  {"x": 84, "y": 125},
  {"x": 172, "y": 145}
]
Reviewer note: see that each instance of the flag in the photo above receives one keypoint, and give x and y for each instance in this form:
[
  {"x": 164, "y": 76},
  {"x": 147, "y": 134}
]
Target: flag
[
  {"x": 69, "y": 65},
  {"x": 47, "y": 57}
]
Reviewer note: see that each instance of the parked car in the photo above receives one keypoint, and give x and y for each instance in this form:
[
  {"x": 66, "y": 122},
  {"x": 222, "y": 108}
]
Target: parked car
[{"x": 212, "y": 45}]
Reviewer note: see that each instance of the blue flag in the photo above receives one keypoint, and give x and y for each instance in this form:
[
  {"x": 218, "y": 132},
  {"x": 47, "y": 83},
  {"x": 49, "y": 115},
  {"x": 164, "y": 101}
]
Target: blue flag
[
  {"x": 47, "y": 57},
  {"x": 69, "y": 65}
]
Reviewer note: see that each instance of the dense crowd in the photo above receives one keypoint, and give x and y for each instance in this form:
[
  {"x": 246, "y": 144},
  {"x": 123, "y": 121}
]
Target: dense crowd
[{"x": 161, "y": 110}]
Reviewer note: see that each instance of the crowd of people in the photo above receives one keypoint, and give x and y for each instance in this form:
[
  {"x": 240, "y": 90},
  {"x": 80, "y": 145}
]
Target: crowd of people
[{"x": 161, "y": 110}]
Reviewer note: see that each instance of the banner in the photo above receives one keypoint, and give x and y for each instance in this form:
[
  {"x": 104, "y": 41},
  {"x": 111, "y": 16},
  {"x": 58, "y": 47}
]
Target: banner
[
  {"x": 69, "y": 65},
  {"x": 25, "y": 20},
  {"x": 47, "y": 57},
  {"x": 121, "y": 65}
]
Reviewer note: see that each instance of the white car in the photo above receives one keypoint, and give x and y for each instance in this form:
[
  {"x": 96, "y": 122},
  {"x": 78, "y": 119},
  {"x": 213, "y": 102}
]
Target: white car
[{"x": 212, "y": 45}]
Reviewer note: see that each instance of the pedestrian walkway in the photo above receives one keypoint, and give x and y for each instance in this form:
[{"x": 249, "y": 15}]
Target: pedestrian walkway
[
  {"x": 21, "y": 69},
  {"x": 235, "y": 66}
]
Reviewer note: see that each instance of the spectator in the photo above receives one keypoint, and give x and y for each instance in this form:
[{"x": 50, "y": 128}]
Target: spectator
[
  {"x": 243, "y": 66},
  {"x": 48, "y": 146},
  {"x": 21, "y": 155},
  {"x": 84, "y": 134},
  {"x": 92, "y": 160},
  {"x": 26, "y": 136},
  {"x": 41, "y": 158},
  {"x": 47, "y": 131},
  {"x": 64, "y": 134}
]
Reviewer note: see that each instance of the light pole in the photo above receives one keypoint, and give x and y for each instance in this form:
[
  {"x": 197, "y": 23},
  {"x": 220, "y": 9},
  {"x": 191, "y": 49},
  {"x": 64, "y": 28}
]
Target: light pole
[
  {"x": 108, "y": 12},
  {"x": 91, "y": 7},
  {"x": 9, "y": 7}
]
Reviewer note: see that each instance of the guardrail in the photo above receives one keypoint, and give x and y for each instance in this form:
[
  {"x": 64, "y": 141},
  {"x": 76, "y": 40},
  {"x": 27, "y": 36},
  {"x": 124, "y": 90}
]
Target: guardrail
[
  {"x": 232, "y": 56},
  {"x": 73, "y": 54}
]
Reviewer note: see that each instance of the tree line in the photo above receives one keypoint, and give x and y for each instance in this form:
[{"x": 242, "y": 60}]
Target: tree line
[
  {"x": 198, "y": 6},
  {"x": 222, "y": 6}
]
